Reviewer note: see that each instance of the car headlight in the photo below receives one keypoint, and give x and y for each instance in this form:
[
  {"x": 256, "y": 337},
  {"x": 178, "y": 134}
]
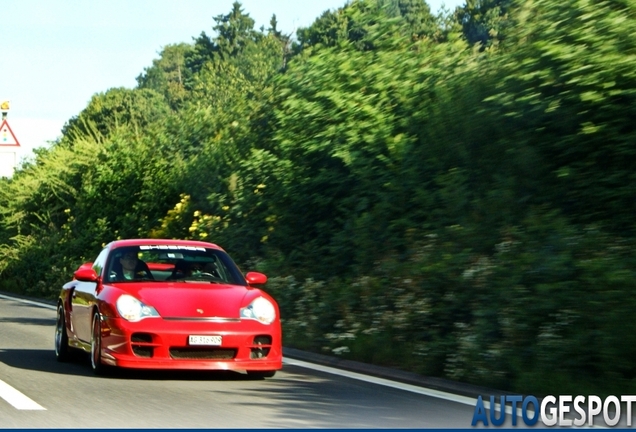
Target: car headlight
[
  {"x": 261, "y": 310},
  {"x": 132, "y": 309}
]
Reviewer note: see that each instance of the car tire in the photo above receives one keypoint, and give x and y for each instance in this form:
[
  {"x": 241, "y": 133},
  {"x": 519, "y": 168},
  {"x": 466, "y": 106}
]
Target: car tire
[
  {"x": 96, "y": 345},
  {"x": 261, "y": 374},
  {"x": 62, "y": 350}
]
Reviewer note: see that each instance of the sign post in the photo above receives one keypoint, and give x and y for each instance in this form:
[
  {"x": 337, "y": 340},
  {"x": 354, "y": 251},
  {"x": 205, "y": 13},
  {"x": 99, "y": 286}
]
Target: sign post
[
  {"x": 4, "y": 107},
  {"x": 9, "y": 144}
]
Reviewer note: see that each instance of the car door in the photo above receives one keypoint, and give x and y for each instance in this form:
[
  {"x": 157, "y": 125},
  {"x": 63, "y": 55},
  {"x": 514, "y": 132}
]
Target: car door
[{"x": 83, "y": 299}]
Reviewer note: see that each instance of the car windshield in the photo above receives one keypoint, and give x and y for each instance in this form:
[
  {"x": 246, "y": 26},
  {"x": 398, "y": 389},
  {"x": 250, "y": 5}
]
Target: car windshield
[{"x": 171, "y": 263}]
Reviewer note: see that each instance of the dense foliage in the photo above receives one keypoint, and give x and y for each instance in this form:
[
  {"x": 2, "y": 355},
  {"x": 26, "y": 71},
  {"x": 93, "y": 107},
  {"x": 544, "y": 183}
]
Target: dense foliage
[{"x": 451, "y": 194}]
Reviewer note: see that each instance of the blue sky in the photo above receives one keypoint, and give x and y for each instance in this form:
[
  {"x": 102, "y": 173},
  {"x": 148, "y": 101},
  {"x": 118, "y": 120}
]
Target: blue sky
[{"x": 57, "y": 53}]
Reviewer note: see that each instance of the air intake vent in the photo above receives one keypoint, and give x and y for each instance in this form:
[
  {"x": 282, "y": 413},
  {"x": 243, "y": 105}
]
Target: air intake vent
[
  {"x": 259, "y": 353},
  {"x": 263, "y": 340},
  {"x": 141, "y": 337},
  {"x": 143, "y": 351},
  {"x": 263, "y": 346}
]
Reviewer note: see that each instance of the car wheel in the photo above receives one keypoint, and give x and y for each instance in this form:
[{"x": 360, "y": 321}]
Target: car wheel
[
  {"x": 96, "y": 345},
  {"x": 62, "y": 350},
  {"x": 261, "y": 374}
]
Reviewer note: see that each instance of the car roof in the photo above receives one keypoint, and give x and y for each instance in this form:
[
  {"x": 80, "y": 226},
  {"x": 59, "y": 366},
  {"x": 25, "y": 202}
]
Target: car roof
[{"x": 147, "y": 242}]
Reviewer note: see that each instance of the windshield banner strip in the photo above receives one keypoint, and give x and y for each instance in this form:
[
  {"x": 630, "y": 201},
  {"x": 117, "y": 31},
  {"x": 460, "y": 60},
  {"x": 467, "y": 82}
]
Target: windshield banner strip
[{"x": 172, "y": 247}]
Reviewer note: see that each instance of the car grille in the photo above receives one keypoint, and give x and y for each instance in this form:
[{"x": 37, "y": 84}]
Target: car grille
[{"x": 203, "y": 353}]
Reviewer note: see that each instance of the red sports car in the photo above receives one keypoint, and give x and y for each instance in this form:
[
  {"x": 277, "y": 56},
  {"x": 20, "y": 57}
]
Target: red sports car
[{"x": 169, "y": 304}]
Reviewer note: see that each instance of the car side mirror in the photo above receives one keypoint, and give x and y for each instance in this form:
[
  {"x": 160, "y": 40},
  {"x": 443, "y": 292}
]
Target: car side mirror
[
  {"x": 255, "y": 278},
  {"x": 85, "y": 274}
]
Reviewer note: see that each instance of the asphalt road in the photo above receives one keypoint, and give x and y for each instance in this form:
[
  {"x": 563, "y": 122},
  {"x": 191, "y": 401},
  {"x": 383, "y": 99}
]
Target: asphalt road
[{"x": 38, "y": 392}]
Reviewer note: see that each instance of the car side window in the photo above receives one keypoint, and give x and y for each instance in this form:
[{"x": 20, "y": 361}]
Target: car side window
[{"x": 100, "y": 261}]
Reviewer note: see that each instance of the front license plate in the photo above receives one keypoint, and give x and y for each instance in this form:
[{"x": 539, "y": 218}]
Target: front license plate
[{"x": 204, "y": 340}]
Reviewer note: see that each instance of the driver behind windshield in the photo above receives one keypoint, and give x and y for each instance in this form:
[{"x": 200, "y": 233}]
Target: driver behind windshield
[
  {"x": 194, "y": 269},
  {"x": 184, "y": 269},
  {"x": 129, "y": 267}
]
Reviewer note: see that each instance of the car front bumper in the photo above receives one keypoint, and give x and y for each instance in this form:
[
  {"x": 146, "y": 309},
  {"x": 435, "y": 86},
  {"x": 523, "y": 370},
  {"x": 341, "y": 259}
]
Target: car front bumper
[{"x": 157, "y": 343}]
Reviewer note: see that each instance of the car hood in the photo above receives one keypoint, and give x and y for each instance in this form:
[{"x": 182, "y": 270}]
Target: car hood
[{"x": 193, "y": 300}]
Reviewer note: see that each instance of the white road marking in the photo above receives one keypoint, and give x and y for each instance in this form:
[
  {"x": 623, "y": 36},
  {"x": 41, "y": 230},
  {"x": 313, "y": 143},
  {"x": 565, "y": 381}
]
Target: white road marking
[
  {"x": 411, "y": 388},
  {"x": 12, "y": 396},
  {"x": 33, "y": 303},
  {"x": 17, "y": 399},
  {"x": 387, "y": 383}
]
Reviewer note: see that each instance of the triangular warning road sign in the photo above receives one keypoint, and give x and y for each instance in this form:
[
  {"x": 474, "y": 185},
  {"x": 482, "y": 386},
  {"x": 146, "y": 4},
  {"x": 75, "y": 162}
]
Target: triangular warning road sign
[{"x": 7, "y": 138}]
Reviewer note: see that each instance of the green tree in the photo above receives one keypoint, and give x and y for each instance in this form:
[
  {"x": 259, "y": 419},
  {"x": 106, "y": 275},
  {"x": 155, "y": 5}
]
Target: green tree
[
  {"x": 233, "y": 32},
  {"x": 484, "y": 22},
  {"x": 168, "y": 74},
  {"x": 567, "y": 85},
  {"x": 117, "y": 107},
  {"x": 370, "y": 24}
]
